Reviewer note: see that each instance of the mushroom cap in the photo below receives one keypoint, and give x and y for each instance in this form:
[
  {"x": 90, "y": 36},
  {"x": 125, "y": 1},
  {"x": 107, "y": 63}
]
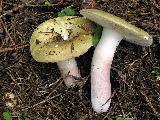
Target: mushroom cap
[
  {"x": 130, "y": 32},
  {"x": 61, "y": 38}
]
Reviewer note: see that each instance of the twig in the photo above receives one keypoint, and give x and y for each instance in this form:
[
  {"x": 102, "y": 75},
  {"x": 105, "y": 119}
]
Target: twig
[
  {"x": 1, "y": 3},
  {"x": 48, "y": 113},
  {"x": 11, "y": 11},
  {"x": 43, "y": 101},
  {"x": 156, "y": 5},
  {"x": 88, "y": 4},
  {"x": 28, "y": 5},
  {"x": 149, "y": 102},
  {"x": 4, "y": 27},
  {"x": 55, "y": 88},
  {"x": 13, "y": 48},
  {"x": 44, "y": 5}
]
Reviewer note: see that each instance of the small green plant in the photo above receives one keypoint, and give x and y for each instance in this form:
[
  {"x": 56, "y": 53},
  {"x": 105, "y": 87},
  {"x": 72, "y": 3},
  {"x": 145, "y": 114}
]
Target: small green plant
[
  {"x": 67, "y": 12},
  {"x": 7, "y": 116},
  {"x": 121, "y": 118},
  {"x": 156, "y": 71}
]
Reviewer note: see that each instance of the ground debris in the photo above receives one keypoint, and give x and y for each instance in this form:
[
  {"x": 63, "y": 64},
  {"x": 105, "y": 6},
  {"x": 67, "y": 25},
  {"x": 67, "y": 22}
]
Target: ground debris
[{"x": 39, "y": 90}]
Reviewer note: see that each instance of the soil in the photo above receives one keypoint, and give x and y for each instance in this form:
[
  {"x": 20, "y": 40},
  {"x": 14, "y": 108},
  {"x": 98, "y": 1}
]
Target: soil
[{"x": 39, "y": 90}]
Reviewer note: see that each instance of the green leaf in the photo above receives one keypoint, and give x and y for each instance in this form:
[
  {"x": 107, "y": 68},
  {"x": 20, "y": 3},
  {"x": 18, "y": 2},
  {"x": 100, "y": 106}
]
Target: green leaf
[
  {"x": 25, "y": 118},
  {"x": 120, "y": 118},
  {"x": 69, "y": 11},
  {"x": 109, "y": 118},
  {"x": 129, "y": 119},
  {"x": 61, "y": 14},
  {"x": 7, "y": 116},
  {"x": 123, "y": 118},
  {"x": 97, "y": 35},
  {"x": 66, "y": 12}
]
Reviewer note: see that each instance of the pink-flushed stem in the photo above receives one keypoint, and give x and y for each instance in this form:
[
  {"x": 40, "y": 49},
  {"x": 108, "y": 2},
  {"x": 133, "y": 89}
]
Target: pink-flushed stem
[
  {"x": 100, "y": 70},
  {"x": 69, "y": 71}
]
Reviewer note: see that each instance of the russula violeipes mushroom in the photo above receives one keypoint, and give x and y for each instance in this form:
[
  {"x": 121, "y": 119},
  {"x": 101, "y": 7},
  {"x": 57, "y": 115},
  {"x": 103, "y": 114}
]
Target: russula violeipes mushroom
[
  {"x": 114, "y": 30},
  {"x": 61, "y": 40}
]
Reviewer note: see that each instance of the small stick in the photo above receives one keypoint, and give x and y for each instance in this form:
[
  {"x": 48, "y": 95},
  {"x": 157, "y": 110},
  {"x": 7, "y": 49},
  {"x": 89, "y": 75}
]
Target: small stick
[
  {"x": 13, "y": 48},
  {"x": 11, "y": 11},
  {"x": 149, "y": 102},
  {"x": 4, "y": 27},
  {"x": 1, "y": 3},
  {"x": 27, "y": 5},
  {"x": 42, "y": 102}
]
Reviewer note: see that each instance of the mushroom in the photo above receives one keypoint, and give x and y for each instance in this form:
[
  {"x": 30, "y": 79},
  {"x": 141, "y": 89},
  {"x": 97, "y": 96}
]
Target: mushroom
[
  {"x": 114, "y": 30},
  {"x": 61, "y": 40}
]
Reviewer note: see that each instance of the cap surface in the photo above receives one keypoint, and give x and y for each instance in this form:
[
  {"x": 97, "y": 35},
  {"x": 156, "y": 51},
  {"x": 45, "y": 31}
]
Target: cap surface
[
  {"x": 130, "y": 32},
  {"x": 61, "y": 38}
]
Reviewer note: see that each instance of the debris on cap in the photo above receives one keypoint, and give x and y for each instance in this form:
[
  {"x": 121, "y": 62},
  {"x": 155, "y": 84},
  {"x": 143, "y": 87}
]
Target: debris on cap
[{"x": 61, "y": 38}]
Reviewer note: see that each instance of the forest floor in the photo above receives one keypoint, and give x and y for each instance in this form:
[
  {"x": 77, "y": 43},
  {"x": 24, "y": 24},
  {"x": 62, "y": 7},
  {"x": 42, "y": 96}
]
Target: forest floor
[{"x": 39, "y": 91}]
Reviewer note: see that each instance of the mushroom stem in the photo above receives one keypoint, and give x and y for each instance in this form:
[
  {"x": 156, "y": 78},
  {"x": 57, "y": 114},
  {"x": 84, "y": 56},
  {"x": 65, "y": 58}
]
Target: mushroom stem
[
  {"x": 69, "y": 71},
  {"x": 100, "y": 70}
]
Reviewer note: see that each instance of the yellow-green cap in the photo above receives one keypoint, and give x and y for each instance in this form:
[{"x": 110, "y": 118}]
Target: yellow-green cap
[
  {"x": 61, "y": 38},
  {"x": 130, "y": 32}
]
